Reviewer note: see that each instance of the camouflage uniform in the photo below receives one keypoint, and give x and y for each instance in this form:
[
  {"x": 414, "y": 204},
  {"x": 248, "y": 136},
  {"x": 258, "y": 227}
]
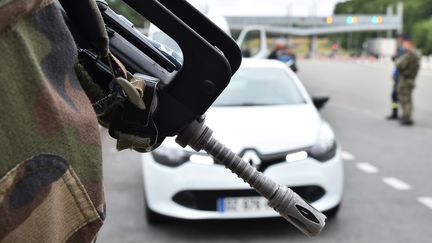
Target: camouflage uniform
[
  {"x": 50, "y": 165},
  {"x": 408, "y": 66}
]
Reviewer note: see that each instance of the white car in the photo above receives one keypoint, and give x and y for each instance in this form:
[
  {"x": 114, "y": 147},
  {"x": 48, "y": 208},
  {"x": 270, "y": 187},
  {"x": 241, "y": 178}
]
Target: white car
[{"x": 267, "y": 117}]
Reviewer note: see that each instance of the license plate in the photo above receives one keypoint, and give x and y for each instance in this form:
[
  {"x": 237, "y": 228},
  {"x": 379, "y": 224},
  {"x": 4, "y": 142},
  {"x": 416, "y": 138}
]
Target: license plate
[{"x": 242, "y": 204}]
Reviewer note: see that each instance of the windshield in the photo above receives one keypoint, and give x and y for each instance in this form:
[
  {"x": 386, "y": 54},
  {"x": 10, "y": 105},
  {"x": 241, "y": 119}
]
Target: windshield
[
  {"x": 164, "y": 39},
  {"x": 259, "y": 87}
]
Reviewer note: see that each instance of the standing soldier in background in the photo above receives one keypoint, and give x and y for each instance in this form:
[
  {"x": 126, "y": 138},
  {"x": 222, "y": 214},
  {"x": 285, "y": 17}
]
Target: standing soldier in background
[
  {"x": 407, "y": 66},
  {"x": 395, "y": 76},
  {"x": 277, "y": 50}
]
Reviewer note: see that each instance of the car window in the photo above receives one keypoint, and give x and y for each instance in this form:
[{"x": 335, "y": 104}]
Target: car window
[
  {"x": 259, "y": 87},
  {"x": 251, "y": 43},
  {"x": 164, "y": 39}
]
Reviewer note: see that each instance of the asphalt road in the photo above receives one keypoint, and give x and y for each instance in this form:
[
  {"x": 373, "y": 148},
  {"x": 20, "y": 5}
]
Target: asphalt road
[{"x": 388, "y": 168}]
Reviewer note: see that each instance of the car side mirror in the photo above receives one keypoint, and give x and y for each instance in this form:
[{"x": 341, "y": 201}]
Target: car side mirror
[{"x": 320, "y": 101}]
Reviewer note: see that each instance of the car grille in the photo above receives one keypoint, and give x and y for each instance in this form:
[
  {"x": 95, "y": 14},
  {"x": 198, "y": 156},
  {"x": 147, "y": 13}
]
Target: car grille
[
  {"x": 268, "y": 160},
  {"x": 206, "y": 200}
]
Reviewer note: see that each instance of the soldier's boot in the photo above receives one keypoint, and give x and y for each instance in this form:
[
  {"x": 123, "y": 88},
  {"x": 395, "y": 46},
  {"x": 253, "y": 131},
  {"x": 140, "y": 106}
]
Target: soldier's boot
[
  {"x": 394, "y": 115},
  {"x": 406, "y": 122},
  {"x": 406, "y": 118}
]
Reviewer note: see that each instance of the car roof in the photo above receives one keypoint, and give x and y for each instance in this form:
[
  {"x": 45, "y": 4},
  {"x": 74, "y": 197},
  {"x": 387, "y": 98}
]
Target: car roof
[{"x": 254, "y": 62}]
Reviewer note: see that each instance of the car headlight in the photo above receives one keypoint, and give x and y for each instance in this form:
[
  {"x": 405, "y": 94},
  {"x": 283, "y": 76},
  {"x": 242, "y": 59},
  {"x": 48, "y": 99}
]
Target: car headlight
[
  {"x": 325, "y": 146},
  {"x": 173, "y": 157}
]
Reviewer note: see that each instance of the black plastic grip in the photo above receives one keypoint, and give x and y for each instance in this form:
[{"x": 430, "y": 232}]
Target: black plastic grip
[
  {"x": 206, "y": 69},
  {"x": 207, "y": 29}
]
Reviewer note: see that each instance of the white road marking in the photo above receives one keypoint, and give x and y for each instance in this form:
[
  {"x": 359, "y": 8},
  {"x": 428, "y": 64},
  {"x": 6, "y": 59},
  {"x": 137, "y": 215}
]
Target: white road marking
[
  {"x": 347, "y": 156},
  {"x": 427, "y": 201},
  {"x": 367, "y": 168},
  {"x": 396, "y": 184}
]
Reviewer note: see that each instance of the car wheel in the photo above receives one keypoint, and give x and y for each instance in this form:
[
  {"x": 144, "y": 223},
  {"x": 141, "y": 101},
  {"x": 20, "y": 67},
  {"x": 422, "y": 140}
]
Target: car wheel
[{"x": 331, "y": 213}]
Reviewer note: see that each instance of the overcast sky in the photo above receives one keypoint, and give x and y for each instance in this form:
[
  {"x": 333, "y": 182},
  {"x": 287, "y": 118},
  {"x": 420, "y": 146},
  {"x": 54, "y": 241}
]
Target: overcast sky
[{"x": 273, "y": 7}]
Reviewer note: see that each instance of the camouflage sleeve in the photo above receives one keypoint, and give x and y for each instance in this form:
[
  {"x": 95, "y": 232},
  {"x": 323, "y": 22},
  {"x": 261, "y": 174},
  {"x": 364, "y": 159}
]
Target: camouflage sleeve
[
  {"x": 402, "y": 62},
  {"x": 50, "y": 167},
  {"x": 409, "y": 65}
]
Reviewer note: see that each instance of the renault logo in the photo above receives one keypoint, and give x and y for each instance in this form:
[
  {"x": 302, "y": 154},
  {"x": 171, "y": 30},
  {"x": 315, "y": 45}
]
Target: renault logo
[{"x": 252, "y": 158}]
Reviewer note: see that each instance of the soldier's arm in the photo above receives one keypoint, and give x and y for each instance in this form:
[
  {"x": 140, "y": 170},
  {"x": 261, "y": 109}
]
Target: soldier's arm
[{"x": 402, "y": 62}]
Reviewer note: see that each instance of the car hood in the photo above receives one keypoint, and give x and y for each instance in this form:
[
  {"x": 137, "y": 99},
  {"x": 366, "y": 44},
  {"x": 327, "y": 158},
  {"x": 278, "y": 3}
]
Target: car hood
[{"x": 268, "y": 129}]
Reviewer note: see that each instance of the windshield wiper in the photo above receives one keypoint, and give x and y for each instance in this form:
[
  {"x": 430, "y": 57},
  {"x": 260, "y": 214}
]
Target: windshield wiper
[{"x": 242, "y": 104}]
